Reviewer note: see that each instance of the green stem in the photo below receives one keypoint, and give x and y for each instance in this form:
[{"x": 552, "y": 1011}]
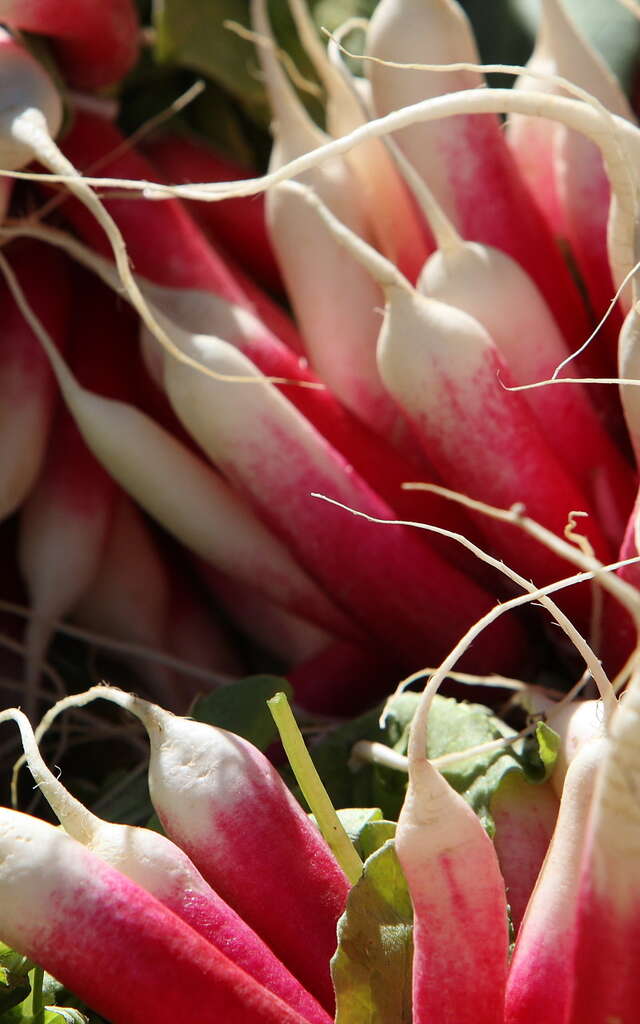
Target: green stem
[
  {"x": 37, "y": 999},
  {"x": 312, "y": 788}
]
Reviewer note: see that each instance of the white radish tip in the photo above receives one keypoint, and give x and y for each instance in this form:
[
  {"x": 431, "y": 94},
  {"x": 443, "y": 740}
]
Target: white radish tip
[{"x": 26, "y": 89}]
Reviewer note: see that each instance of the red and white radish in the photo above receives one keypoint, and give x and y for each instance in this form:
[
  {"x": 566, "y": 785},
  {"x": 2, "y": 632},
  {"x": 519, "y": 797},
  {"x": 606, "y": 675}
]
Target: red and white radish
[
  {"x": 96, "y": 43},
  {"x": 116, "y": 946},
  {"x": 226, "y": 806},
  {"x": 161, "y": 868},
  {"x": 27, "y": 388}
]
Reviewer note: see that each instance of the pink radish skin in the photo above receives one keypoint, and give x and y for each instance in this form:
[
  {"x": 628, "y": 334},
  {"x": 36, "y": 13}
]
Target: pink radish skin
[
  {"x": 238, "y": 225},
  {"x": 524, "y": 816},
  {"x": 540, "y": 980},
  {"x": 162, "y": 241},
  {"x": 226, "y": 806},
  {"x": 200, "y": 509},
  {"x": 532, "y": 139},
  {"x": 582, "y": 182},
  {"x": 370, "y": 455},
  {"x": 609, "y": 888},
  {"x": 154, "y": 863},
  {"x": 443, "y": 368},
  {"x": 491, "y": 287},
  {"x": 129, "y": 597},
  {"x": 466, "y": 159},
  {"x": 95, "y": 42},
  {"x": 341, "y": 679},
  {"x": 27, "y": 388},
  {"x": 401, "y": 235},
  {"x": 385, "y": 578},
  {"x": 334, "y": 301},
  {"x": 65, "y": 521},
  {"x": 460, "y": 932},
  {"x": 282, "y": 633},
  {"x": 135, "y": 960}
]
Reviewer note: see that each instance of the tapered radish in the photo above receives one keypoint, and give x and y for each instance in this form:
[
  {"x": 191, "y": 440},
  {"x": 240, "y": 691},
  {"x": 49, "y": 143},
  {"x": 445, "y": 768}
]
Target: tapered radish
[
  {"x": 129, "y": 596},
  {"x": 617, "y": 139},
  {"x": 464, "y": 160},
  {"x": 155, "y": 864},
  {"x": 532, "y": 140},
  {"x": 582, "y": 183},
  {"x": 334, "y": 300},
  {"x": 96, "y": 43},
  {"x": 524, "y": 815},
  {"x": 396, "y": 224},
  {"x": 540, "y": 981},
  {"x": 226, "y": 806},
  {"x": 112, "y": 943},
  {"x": 268, "y": 449},
  {"x": 608, "y": 898},
  {"x": 200, "y": 509},
  {"x": 443, "y": 367},
  {"x": 460, "y": 932},
  {"x": 27, "y": 388},
  {"x": 65, "y": 521},
  {"x": 238, "y": 226},
  {"x": 491, "y": 287},
  {"x": 280, "y": 632}
]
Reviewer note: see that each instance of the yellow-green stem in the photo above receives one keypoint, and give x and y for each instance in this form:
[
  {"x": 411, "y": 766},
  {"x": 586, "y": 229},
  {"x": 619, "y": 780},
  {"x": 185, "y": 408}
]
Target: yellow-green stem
[{"x": 312, "y": 788}]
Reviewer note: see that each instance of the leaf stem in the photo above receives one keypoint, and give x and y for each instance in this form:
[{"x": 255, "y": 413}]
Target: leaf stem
[{"x": 312, "y": 788}]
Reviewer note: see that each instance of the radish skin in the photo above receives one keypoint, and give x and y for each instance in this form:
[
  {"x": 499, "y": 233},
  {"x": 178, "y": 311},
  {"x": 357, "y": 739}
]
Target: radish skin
[
  {"x": 540, "y": 981},
  {"x": 460, "y": 933},
  {"x": 27, "y": 387},
  {"x": 211, "y": 790},
  {"x": 155, "y": 864},
  {"x": 136, "y": 959},
  {"x": 95, "y": 42},
  {"x": 465, "y": 159},
  {"x": 198, "y": 496}
]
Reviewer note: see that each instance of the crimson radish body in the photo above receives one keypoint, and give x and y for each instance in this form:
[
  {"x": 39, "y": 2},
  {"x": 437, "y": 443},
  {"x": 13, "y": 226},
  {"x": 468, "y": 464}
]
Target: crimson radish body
[{"x": 111, "y": 942}]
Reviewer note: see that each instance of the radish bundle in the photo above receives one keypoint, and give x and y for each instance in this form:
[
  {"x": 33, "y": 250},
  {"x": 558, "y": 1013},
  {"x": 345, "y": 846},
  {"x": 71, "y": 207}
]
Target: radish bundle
[{"x": 213, "y": 388}]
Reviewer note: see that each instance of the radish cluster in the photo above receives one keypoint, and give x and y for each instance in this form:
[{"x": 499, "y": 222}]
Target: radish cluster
[{"x": 212, "y": 390}]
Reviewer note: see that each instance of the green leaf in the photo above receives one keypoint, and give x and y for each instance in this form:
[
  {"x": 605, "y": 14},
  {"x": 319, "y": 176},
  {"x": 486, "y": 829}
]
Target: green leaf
[
  {"x": 242, "y": 708},
  {"x": 371, "y": 968},
  {"x": 191, "y": 33}
]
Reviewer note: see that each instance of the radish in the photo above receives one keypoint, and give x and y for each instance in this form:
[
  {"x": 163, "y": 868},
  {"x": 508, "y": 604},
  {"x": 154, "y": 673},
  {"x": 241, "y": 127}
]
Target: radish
[
  {"x": 275, "y": 456},
  {"x": 532, "y": 140},
  {"x": 400, "y": 235},
  {"x": 155, "y": 864},
  {"x": 238, "y": 226},
  {"x": 460, "y": 931},
  {"x": 581, "y": 179},
  {"x": 370, "y": 455},
  {"x": 112, "y": 943},
  {"x": 524, "y": 816},
  {"x": 618, "y": 141},
  {"x": 609, "y": 884},
  {"x": 334, "y": 300},
  {"x": 27, "y": 389},
  {"x": 129, "y": 596},
  {"x": 465, "y": 158},
  {"x": 491, "y": 287},
  {"x": 96, "y": 43},
  {"x": 226, "y": 806},
  {"x": 443, "y": 368},
  {"x": 65, "y": 521},
  {"x": 141, "y": 457},
  {"x": 540, "y": 980}
]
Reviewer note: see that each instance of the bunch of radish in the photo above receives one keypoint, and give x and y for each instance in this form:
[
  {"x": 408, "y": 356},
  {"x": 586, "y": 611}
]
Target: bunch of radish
[{"x": 213, "y": 387}]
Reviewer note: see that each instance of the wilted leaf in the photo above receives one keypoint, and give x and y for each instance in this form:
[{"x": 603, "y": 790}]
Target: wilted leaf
[{"x": 371, "y": 969}]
